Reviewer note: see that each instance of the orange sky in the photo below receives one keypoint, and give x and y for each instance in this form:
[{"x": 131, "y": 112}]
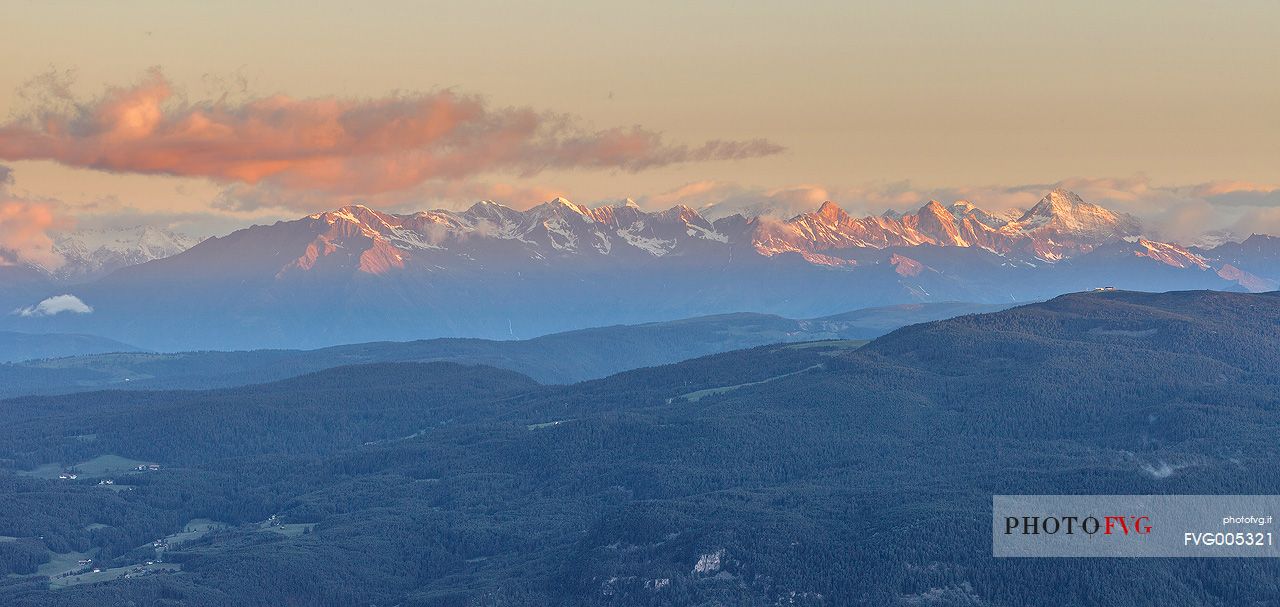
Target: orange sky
[{"x": 874, "y": 103}]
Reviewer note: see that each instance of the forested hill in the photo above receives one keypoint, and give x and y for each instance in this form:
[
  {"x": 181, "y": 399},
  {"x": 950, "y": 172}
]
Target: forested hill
[
  {"x": 26, "y": 346},
  {"x": 801, "y": 474},
  {"x": 1231, "y": 327},
  {"x": 557, "y": 358}
]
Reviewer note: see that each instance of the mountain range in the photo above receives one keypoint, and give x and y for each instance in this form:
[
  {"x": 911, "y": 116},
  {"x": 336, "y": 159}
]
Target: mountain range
[{"x": 357, "y": 274}]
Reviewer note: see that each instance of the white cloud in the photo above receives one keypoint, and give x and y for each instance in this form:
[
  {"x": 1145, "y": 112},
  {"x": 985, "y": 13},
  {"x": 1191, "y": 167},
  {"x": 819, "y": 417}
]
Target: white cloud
[{"x": 56, "y": 305}]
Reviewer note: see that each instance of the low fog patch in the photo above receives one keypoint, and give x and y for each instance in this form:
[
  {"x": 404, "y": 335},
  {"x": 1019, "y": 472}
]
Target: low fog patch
[{"x": 56, "y": 305}]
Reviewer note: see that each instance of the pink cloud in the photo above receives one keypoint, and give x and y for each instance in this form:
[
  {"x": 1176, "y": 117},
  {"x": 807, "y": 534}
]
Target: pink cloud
[
  {"x": 692, "y": 194},
  {"x": 431, "y": 194},
  {"x": 341, "y": 146},
  {"x": 24, "y": 233},
  {"x": 1219, "y": 188},
  {"x": 25, "y": 226}
]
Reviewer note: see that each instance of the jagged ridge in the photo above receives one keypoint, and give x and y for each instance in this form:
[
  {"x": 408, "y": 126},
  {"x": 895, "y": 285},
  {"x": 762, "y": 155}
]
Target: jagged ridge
[{"x": 1060, "y": 226}]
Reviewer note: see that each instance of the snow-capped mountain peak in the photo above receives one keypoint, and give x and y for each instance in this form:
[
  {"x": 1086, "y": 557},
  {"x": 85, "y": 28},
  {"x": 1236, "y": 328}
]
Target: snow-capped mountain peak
[
  {"x": 1058, "y": 201},
  {"x": 564, "y": 203},
  {"x": 962, "y": 206},
  {"x": 832, "y": 212},
  {"x": 489, "y": 232},
  {"x": 92, "y": 252},
  {"x": 1065, "y": 212}
]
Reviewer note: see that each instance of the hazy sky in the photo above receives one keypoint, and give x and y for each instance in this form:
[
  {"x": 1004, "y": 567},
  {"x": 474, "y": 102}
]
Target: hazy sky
[{"x": 220, "y": 113}]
